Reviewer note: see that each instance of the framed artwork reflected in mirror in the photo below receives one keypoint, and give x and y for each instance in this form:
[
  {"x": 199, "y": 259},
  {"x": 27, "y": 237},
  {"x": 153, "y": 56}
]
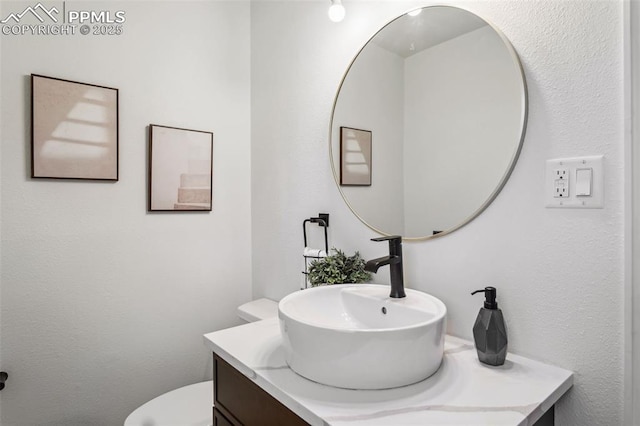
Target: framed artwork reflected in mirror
[{"x": 355, "y": 157}]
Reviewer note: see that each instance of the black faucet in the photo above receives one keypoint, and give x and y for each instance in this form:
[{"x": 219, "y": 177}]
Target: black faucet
[{"x": 394, "y": 260}]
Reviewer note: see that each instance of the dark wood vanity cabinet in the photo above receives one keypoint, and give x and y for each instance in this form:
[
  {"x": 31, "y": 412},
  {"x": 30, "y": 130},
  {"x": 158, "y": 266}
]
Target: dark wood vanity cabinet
[
  {"x": 219, "y": 419},
  {"x": 240, "y": 402}
]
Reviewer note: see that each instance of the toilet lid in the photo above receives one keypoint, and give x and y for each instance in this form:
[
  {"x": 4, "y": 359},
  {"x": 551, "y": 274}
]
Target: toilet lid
[
  {"x": 190, "y": 405},
  {"x": 257, "y": 310}
]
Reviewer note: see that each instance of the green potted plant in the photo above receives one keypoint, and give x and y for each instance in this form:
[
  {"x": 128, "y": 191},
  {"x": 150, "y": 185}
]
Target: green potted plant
[{"x": 338, "y": 268}]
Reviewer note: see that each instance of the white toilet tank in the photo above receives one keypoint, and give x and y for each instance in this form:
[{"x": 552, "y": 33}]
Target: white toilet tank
[{"x": 258, "y": 309}]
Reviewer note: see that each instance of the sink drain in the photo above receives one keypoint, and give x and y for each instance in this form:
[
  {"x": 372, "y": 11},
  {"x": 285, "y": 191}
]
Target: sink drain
[{"x": 384, "y": 310}]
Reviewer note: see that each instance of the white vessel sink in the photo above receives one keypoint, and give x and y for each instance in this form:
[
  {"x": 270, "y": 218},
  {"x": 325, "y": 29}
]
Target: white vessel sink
[{"x": 355, "y": 336}]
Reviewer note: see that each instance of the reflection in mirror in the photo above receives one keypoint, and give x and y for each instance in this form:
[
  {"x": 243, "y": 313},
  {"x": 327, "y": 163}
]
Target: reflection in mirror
[
  {"x": 355, "y": 157},
  {"x": 443, "y": 96}
]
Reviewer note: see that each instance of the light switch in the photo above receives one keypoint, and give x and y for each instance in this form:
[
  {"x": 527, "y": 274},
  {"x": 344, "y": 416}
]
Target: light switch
[{"x": 583, "y": 182}]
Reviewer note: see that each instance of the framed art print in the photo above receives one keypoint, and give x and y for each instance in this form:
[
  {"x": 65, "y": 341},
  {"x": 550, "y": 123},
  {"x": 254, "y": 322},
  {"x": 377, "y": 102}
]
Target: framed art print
[
  {"x": 180, "y": 169},
  {"x": 74, "y": 130},
  {"x": 355, "y": 157}
]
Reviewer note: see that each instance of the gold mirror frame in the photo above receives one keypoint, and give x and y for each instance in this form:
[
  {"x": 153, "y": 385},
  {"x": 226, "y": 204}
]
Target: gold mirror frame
[{"x": 523, "y": 124}]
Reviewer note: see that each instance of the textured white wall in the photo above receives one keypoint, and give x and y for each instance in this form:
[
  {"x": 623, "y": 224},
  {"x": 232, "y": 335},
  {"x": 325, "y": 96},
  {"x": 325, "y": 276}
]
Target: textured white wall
[
  {"x": 632, "y": 331},
  {"x": 559, "y": 273},
  {"x": 103, "y": 304},
  {"x": 1, "y": 139}
]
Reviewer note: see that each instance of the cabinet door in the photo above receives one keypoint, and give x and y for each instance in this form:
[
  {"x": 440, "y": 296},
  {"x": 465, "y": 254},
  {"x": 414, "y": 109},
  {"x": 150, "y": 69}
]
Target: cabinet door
[
  {"x": 245, "y": 403},
  {"x": 219, "y": 419}
]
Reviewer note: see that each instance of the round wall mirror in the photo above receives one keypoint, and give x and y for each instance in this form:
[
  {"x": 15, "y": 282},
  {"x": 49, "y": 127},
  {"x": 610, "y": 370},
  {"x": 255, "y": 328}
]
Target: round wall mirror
[{"x": 428, "y": 123}]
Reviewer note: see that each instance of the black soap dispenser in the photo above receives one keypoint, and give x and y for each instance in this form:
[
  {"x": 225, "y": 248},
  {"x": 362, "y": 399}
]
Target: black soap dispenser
[{"x": 489, "y": 331}]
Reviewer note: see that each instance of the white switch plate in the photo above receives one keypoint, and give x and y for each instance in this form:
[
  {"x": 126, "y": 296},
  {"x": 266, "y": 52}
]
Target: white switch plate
[{"x": 572, "y": 165}]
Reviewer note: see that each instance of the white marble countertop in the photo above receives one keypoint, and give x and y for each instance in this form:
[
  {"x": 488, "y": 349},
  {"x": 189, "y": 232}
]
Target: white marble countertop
[{"x": 462, "y": 392}]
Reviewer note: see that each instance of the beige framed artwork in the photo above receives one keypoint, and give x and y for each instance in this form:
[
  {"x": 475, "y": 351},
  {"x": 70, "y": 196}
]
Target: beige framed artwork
[
  {"x": 74, "y": 130},
  {"x": 180, "y": 169},
  {"x": 355, "y": 157}
]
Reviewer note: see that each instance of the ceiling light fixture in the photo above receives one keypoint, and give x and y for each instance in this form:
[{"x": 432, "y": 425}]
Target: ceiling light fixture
[{"x": 336, "y": 11}]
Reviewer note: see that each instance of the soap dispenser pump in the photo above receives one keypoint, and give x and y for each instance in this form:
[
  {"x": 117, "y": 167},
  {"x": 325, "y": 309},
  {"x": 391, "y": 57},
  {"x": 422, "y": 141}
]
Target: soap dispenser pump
[{"x": 489, "y": 331}]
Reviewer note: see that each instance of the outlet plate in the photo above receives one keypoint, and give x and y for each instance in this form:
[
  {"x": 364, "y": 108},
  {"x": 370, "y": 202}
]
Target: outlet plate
[{"x": 560, "y": 183}]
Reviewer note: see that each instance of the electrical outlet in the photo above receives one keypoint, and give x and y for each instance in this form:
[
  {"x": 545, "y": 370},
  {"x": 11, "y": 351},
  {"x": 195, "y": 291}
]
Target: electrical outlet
[
  {"x": 561, "y": 183},
  {"x": 562, "y": 173},
  {"x": 561, "y": 189},
  {"x": 575, "y": 182}
]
